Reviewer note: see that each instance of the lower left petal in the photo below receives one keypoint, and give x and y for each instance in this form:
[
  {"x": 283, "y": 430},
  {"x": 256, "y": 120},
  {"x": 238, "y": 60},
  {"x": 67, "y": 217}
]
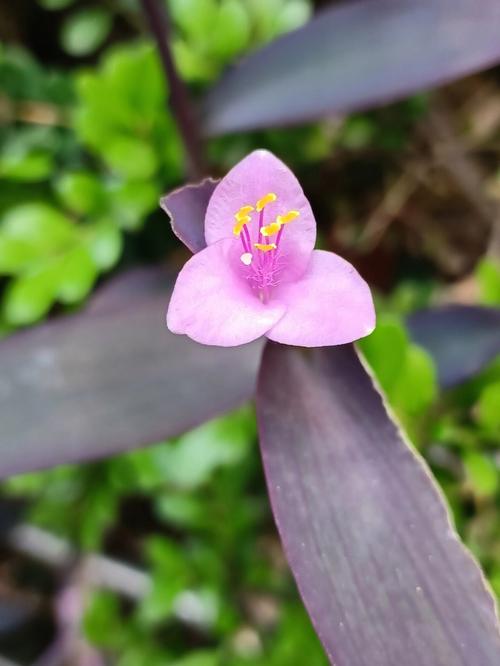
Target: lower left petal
[
  {"x": 329, "y": 305},
  {"x": 214, "y": 305}
]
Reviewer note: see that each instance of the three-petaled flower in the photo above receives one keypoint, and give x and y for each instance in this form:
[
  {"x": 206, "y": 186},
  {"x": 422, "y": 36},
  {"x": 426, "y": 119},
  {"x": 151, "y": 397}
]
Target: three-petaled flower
[{"x": 260, "y": 275}]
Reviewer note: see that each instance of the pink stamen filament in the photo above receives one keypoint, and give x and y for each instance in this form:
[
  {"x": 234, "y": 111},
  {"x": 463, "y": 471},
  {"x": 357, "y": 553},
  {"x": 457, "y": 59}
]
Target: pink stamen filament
[
  {"x": 262, "y": 272},
  {"x": 244, "y": 242},
  {"x": 261, "y": 224},
  {"x": 278, "y": 238},
  {"x": 260, "y": 238},
  {"x": 246, "y": 234}
]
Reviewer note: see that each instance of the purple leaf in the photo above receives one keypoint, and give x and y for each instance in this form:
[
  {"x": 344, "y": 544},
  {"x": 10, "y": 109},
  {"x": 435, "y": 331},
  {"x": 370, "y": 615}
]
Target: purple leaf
[
  {"x": 462, "y": 339},
  {"x": 382, "y": 572},
  {"x": 134, "y": 284},
  {"x": 186, "y": 208},
  {"x": 353, "y": 56},
  {"x": 111, "y": 379}
]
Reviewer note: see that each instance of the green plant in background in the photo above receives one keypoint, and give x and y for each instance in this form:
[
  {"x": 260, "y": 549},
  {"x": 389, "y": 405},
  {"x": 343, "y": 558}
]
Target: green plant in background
[
  {"x": 84, "y": 30},
  {"x": 78, "y": 183},
  {"x": 212, "y": 33},
  {"x": 90, "y": 157},
  {"x": 62, "y": 217},
  {"x": 216, "y": 571},
  {"x": 209, "y": 34},
  {"x": 51, "y": 258},
  {"x": 46, "y": 255},
  {"x": 488, "y": 278},
  {"x": 405, "y": 371},
  {"x": 121, "y": 117}
]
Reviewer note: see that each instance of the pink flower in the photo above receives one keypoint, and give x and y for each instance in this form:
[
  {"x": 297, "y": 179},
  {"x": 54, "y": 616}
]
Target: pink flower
[{"x": 259, "y": 274}]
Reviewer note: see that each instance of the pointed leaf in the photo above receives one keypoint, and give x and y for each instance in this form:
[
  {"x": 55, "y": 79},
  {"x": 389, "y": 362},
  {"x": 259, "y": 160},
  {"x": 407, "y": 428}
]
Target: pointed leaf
[
  {"x": 111, "y": 379},
  {"x": 462, "y": 339},
  {"x": 379, "y": 566},
  {"x": 353, "y": 56},
  {"x": 134, "y": 284}
]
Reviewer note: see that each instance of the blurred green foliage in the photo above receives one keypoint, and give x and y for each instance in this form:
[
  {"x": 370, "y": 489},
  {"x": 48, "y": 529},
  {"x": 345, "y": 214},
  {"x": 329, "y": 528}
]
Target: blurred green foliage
[
  {"x": 488, "y": 277},
  {"x": 84, "y": 157},
  {"x": 225, "y": 29},
  {"x": 84, "y": 31},
  {"x": 207, "y": 540}
]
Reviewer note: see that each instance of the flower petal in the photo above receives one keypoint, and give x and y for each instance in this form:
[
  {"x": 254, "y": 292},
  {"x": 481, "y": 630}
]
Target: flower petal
[
  {"x": 214, "y": 305},
  {"x": 330, "y": 305},
  {"x": 250, "y": 180}
]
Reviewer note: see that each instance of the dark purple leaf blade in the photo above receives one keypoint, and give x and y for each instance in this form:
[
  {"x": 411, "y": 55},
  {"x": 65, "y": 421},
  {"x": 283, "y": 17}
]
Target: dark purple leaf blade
[
  {"x": 134, "y": 284},
  {"x": 96, "y": 383},
  {"x": 381, "y": 571},
  {"x": 186, "y": 208},
  {"x": 353, "y": 56},
  {"x": 462, "y": 339}
]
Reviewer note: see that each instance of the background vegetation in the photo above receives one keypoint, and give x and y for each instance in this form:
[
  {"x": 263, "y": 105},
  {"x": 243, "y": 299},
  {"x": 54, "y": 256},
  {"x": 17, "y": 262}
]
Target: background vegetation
[{"x": 87, "y": 146}]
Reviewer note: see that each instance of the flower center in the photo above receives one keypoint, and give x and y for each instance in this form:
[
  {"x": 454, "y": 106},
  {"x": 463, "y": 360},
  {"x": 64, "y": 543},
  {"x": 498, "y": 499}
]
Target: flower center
[{"x": 261, "y": 247}]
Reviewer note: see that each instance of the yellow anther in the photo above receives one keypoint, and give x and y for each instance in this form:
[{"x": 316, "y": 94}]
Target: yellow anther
[
  {"x": 243, "y": 212},
  {"x": 265, "y": 247},
  {"x": 262, "y": 203},
  {"x": 287, "y": 217},
  {"x": 270, "y": 229},
  {"x": 238, "y": 227}
]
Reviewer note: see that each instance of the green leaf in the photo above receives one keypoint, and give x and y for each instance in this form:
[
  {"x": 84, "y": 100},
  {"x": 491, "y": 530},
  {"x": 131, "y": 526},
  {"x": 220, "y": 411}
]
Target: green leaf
[
  {"x": 81, "y": 192},
  {"x": 192, "y": 460},
  {"x": 38, "y": 224},
  {"x": 171, "y": 575},
  {"x": 481, "y": 472},
  {"x": 405, "y": 371},
  {"x": 231, "y": 32},
  {"x": 181, "y": 509},
  {"x": 416, "y": 387},
  {"x": 135, "y": 77},
  {"x": 357, "y": 132},
  {"x": 192, "y": 64},
  {"x": 16, "y": 255},
  {"x": 195, "y": 17},
  {"x": 29, "y": 297},
  {"x": 56, "y": 4},
  {"x": 131, "y": 158},
  {"x": 488, "y": 408},
  {"x": 105, "y": 243},
  {"x": 132, "y": 201},
  {"x": 488, "y": 276},
  {"x": 100, "y": 512},
  {"x": 102, "y": 622},
  {"x": 85, "y": 31},
  {"x": 385, "y": 350},
  {"x": 199, "y": 659},
  {"x": 76, "y": 274},
  {"x": 265, "y": 15},
  {"x": 31, "y": 166},
  {"x": 293, "y": 15},
  {"x": 142, "y": 654}
]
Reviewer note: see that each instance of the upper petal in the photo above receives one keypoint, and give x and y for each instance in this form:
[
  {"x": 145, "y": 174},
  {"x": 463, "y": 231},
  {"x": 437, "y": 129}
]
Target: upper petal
[
  {"x": 330, "y": 305},
  {"x": 214, "y": 305},
  {"x": 251, "y": 179}
]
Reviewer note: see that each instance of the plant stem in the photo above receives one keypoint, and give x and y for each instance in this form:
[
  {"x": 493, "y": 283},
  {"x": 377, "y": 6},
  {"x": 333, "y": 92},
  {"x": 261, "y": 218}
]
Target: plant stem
[{"x": 179, "y": 100}]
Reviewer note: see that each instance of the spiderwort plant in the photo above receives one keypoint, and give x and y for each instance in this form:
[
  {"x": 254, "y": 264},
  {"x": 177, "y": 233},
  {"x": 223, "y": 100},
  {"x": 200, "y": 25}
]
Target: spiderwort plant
[{"x": 260, "y": 275}]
